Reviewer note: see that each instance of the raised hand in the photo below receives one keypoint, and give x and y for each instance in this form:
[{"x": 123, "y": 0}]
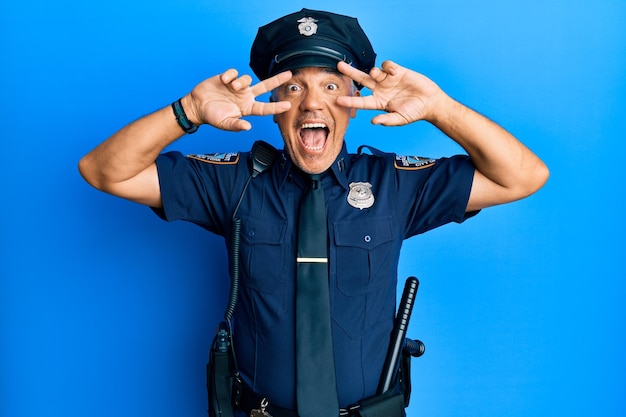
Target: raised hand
[
  {"x": 405, "y": 95},
  {"x": 221, "y": 101}
]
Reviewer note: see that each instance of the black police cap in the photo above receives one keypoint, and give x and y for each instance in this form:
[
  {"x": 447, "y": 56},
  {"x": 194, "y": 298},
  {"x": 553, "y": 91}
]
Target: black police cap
[{"x": 310, "y": 38}]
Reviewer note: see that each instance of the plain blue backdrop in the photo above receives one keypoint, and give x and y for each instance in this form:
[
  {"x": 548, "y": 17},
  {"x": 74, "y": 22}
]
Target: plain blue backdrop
[{"x": 105, "y": 310}]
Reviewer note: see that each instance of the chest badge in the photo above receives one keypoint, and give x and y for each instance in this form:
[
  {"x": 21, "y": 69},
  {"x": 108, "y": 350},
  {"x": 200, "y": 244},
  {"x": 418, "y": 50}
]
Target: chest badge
[{"x": 360, "y": 195}]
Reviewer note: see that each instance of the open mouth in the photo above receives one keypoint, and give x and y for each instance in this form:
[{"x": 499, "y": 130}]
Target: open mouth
[{"x": 313, "y": 136}]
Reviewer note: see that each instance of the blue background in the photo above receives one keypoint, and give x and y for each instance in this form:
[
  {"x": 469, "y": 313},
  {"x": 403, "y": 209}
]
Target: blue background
[{"x": 106, "y": 310}]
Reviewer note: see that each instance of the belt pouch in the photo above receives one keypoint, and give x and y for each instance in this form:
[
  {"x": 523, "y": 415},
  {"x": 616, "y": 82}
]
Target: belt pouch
[{"x": 219, "y": 384}]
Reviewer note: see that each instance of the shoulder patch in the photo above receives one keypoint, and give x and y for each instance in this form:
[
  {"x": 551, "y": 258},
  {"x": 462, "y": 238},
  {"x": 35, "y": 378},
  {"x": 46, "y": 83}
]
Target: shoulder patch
[
  {"x": 229, "y": 158},
  {"x": 412, "y": 162}
]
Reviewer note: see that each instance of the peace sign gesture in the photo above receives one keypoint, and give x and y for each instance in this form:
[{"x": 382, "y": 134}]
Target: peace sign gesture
[
  {"x": 221, "y": 101},
  {"x": 405, "y": 95}
]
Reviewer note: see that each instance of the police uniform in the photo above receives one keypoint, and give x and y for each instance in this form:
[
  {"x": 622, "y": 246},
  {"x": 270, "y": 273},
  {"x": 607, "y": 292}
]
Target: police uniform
[{"x": 373, "y": 202}]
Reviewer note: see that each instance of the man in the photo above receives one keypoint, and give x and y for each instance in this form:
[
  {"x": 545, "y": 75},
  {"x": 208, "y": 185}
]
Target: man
[{"x": 314, "y": 63}]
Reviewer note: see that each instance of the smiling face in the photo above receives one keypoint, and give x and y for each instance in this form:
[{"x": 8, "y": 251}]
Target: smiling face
[{"x": 314, "y": 128}]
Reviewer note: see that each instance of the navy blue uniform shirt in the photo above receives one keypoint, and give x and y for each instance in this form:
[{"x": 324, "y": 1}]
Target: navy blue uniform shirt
[{"x": 373, "y": 203}]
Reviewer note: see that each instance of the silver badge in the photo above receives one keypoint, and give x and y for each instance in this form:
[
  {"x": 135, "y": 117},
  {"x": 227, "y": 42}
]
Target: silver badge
[
  {"x": 360, "y": 195},
  {"x": 307, "y": 26}
]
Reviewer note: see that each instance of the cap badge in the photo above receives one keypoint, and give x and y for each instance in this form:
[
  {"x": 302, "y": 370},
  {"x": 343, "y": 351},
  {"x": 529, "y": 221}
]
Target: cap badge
[
  {"x": 307, "y": 26},
  {"x": 360, "y": 195}
]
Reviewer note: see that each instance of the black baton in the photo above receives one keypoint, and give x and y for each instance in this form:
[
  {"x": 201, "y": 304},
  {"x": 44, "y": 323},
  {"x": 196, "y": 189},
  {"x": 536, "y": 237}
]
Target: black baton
[{"x": 398, "y": 334}]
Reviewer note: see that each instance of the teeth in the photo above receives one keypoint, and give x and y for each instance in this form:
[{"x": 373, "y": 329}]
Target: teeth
[
  {"x": 313, "y": 126},
  {"x": 314, "y": 148}
]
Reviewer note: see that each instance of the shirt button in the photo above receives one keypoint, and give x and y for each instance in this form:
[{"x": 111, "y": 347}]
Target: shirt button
[
  {"x": 251, "y": 233},
  {"x": 367, "y": 239}
]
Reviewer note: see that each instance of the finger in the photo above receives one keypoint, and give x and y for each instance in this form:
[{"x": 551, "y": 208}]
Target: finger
[
  {"x": 264, "y": 109},
  {"x": 235, "y": 125},
  {"x": 390, "y": 67},
  {"x": 271, "y": 83},
  {"x": 390, "y": 119},
  {"x": 378, "y": 75},
  {"x": 356, "y": 75},
  {"x": 361, "y": 102},
  {"x": 228, "y": 76},
  {"x": 242, "y": 82}
]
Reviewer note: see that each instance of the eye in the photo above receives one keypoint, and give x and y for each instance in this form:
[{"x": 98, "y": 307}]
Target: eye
[
  {"x": 292, "y": 88},
  {"x": 332, "y": 87}
]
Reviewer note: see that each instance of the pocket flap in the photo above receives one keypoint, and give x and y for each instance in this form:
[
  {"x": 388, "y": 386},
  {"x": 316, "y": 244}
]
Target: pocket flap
[
  {"x": 364, "y": 234},
  {"x": 261, "y": 231}
]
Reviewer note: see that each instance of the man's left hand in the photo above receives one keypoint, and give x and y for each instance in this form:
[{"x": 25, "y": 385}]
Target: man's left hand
[{"x": 405, "y": 95}]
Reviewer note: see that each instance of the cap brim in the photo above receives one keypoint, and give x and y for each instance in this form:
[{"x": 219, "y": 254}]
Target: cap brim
[{"x": 303, "y": 61}]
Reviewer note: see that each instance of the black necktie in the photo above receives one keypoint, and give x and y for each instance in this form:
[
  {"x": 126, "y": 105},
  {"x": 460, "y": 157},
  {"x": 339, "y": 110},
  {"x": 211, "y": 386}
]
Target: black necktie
[{"x": 315, "y": 370}]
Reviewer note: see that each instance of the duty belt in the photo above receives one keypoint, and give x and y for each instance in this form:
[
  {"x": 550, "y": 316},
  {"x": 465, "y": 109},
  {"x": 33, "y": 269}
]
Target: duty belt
[{"x": 390, "y": 404}]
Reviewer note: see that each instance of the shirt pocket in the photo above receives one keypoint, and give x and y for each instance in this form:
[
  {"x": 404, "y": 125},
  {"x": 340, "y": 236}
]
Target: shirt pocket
[
  {"x": 262, "y": 253},
  {"x": 364, "y": 259}
]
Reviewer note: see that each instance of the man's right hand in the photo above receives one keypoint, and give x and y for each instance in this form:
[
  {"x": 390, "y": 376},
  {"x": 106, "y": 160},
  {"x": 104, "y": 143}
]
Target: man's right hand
[
  {"x": 221, "y": 101},
  {"x": 124, "y": 164}
]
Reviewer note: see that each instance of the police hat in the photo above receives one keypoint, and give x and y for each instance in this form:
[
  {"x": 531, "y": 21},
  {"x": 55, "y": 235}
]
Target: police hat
[{"x": 310, "y": 38}]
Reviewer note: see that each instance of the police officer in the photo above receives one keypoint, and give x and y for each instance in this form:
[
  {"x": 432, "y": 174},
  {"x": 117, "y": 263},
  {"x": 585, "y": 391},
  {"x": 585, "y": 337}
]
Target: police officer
[{"x": 315, "y": 64}]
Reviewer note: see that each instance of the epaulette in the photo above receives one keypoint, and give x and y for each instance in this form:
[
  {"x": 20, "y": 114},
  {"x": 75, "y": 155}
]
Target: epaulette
[
  {"x": 404, "y": 162},
  {"x": 372, "y": 150},
  {"x": 229, "y": 158}
]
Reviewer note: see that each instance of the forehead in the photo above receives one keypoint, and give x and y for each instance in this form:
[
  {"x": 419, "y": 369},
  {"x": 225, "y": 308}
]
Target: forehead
[{"x": 311, "y": 72}]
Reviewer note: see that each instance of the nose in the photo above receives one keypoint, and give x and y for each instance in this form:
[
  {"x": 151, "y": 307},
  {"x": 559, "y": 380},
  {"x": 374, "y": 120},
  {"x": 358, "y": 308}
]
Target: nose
[{"x": 312, "y": 100}]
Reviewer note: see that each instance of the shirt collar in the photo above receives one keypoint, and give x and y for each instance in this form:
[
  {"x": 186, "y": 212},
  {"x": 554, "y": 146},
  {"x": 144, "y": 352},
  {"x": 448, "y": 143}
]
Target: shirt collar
[{"x": 340, "y": 167}]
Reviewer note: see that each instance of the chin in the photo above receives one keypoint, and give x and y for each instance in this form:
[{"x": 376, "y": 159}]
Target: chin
[
  {"x": 312, "y": 168},
  {"x": 314, "y": 162}
]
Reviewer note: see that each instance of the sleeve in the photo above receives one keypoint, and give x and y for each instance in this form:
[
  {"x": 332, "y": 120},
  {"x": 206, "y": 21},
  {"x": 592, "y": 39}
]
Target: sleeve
[
  {"x": 436, "y": 194},
  {"x": 197, "y": 190}
]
